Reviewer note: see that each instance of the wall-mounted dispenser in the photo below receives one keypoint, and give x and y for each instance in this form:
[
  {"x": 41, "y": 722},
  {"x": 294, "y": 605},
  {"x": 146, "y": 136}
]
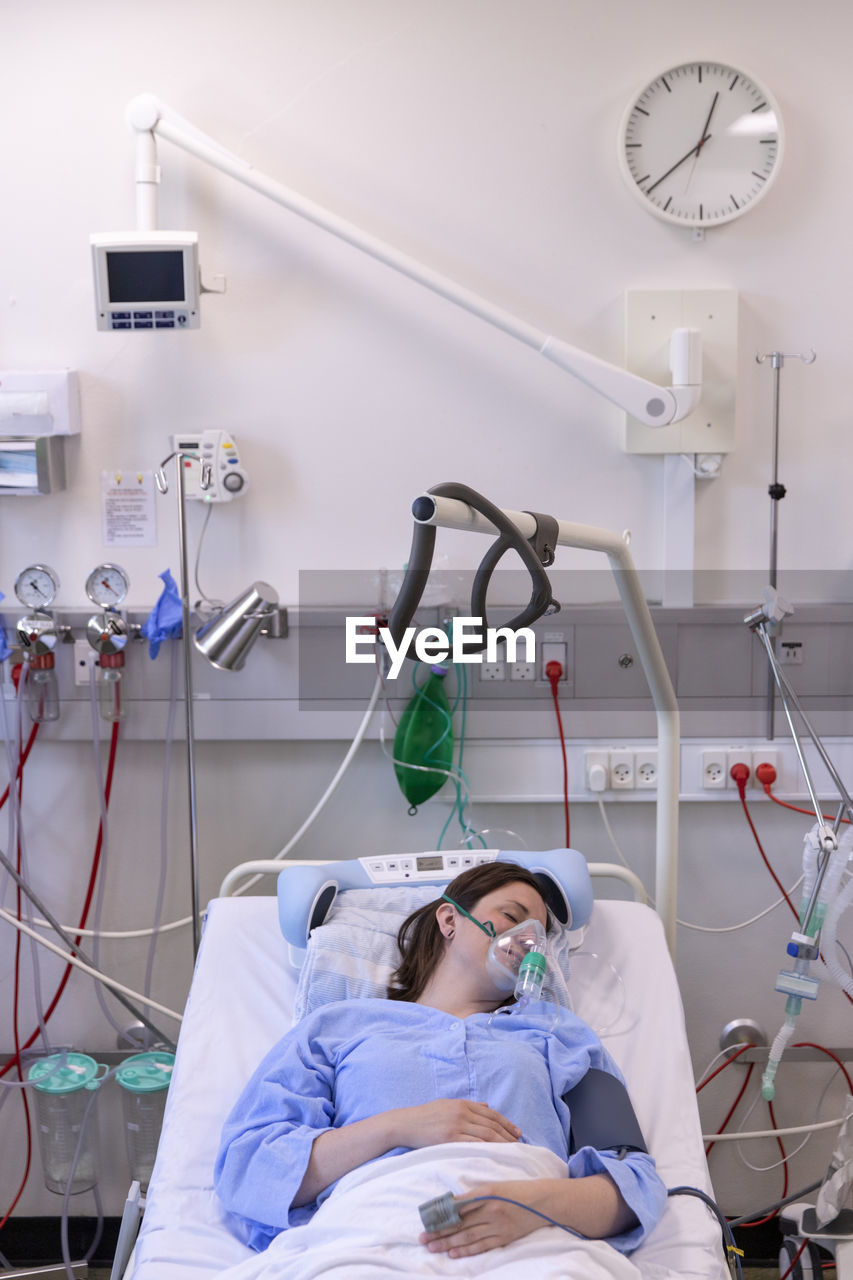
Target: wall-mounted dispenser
[{"x": 37, "y": 412}]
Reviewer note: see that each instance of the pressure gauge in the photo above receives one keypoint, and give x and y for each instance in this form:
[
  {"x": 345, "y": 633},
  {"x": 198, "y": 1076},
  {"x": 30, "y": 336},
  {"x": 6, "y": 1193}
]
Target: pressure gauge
[
  {"x": 36, "y": 586},
  {"x": 107, "y": 585}
]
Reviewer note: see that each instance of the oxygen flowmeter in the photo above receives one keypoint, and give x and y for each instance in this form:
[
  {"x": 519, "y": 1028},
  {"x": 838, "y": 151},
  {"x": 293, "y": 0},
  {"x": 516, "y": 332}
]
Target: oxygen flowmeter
[
  {"x": 107, "y": 585},
  {"x": 36, "y": 586}
]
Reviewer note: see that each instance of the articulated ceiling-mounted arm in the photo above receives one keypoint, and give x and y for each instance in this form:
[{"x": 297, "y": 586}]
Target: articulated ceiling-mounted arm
[{"x": 654, "y": 405}]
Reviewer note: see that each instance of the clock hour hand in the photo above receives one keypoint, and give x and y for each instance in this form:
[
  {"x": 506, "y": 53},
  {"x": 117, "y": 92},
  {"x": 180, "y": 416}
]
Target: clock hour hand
[{"x": 694, "y": 151}]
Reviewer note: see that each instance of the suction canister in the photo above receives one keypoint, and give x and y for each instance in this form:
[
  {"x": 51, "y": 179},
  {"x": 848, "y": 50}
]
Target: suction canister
[
  {"x": 63, "y": 1091},
  {"x": 144, "y": 1081}
]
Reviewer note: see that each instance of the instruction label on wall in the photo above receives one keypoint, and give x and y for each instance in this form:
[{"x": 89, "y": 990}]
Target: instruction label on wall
[{"x": 127, "y": 499}]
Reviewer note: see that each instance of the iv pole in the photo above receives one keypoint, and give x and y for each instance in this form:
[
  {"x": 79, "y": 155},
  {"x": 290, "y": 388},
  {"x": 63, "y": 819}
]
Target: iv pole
[
  {"x": 162, "y": 485},
  {"x": 776, "y": 492}
]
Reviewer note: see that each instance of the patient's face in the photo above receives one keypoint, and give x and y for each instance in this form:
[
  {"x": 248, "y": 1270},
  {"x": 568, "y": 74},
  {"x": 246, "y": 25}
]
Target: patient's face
[{"x": 509, "y": 906}]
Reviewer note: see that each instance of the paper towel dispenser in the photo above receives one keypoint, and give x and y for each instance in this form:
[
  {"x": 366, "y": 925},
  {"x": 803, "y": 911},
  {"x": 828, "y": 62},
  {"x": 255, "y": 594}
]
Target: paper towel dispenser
[{"x": 37, "y": 411}]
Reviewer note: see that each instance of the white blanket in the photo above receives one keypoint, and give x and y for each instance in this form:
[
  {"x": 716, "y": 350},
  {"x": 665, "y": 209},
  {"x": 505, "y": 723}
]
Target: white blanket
[{"x": 369, "y": 1226}]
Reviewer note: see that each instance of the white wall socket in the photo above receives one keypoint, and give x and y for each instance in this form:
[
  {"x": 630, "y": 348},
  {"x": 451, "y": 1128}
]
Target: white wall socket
[
  {"x": 597, "y": 770},
  {"x": 714, "y": 769},
  {"x": 645, "y": 770},
  {"x": 492, "y": 671},
  {"x": 621, "y": 770}
]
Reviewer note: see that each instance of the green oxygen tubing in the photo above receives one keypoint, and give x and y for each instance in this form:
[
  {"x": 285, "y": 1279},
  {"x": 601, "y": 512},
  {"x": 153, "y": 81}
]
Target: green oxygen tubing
[{"x": 424, "y": 743}]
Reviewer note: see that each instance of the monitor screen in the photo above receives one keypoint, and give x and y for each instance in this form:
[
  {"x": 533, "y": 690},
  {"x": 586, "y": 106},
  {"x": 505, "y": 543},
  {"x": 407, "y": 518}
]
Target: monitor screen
[{"x": 145, "y": 275}]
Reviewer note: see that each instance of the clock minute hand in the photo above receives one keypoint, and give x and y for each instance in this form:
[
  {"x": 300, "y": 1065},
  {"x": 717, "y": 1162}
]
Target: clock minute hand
[{"x": 694, "y": 151}]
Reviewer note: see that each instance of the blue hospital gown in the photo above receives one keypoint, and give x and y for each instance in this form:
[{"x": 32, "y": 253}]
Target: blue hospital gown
[{"x": 352, "y": 1059}]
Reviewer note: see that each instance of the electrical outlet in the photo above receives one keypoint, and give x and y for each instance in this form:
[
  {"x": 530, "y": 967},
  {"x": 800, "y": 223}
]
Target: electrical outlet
[
  {"x": 82, "y": 662},
  {"x": 766, "y": 756},
  {"x": 738, "y": 755},
  {"x": 553, "y": 651},
  {"x": 645, "y": 770},
  {"x": 621, "y": 770},
  {"x": 492, "y": 671},
  {"x": 597, "y": 770},
  {"x": 714, "y": 770},
  {"x": 522, "y": 671}
]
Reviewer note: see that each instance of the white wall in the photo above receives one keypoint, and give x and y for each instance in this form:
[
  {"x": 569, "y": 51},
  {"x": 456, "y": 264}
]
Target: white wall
[{"x": 478, "y": 136}]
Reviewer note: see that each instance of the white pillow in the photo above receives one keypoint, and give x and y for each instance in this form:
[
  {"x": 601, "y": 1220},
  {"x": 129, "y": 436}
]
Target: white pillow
[{"x": 354, "y": 953}]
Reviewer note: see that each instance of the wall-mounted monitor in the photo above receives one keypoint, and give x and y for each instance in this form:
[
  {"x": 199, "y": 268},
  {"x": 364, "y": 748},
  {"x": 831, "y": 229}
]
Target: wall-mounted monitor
[{"x": 146, "y": 280}]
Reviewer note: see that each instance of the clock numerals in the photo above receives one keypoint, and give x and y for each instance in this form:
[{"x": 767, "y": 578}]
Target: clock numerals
[{"x": 701, "y": 144}]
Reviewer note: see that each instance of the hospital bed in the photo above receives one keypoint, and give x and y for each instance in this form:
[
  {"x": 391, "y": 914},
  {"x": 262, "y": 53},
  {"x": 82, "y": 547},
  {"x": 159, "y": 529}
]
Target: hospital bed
[{"x": 242, "y": 1000}]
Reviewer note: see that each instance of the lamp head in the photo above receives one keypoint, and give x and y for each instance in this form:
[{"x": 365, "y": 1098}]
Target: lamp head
[{"x": 226, "y": 638}]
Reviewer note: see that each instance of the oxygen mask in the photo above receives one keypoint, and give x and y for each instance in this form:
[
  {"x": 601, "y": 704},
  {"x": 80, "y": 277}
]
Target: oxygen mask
[{"x": 516, "y": 960}]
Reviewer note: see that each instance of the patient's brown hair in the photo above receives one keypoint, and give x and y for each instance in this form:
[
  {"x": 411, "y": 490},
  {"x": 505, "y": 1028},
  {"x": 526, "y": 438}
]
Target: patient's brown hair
[{"x": 420, "y": 940}]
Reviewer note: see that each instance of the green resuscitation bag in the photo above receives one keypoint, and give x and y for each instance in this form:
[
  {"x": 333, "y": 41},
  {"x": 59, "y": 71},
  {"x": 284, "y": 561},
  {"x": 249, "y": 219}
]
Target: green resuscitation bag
[{"x": 424, "y": 739}]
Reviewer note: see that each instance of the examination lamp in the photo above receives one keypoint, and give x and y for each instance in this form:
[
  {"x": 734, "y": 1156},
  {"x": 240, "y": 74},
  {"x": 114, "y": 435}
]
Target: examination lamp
[{"x": 225, "y": 640}]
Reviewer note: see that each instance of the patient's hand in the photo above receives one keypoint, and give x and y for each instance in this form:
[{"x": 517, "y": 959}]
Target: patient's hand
[
  {"x": 452, "y": 1120},
  {"x": 590, "y": 1206},
  {"x": 488, "y": 1224}
]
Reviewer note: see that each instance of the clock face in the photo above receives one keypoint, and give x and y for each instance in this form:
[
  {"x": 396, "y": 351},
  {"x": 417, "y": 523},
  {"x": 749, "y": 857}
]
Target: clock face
[{"x": 701, "y": 144}]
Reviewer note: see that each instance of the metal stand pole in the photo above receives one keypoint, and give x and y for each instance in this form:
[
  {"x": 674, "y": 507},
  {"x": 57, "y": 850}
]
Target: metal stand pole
[
  {"x": 188, "y": 685},
  {"x": 777, "y": 492}
]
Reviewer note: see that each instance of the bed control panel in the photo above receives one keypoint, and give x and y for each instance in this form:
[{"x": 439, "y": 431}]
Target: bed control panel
[{"x": 424, "y": 868}]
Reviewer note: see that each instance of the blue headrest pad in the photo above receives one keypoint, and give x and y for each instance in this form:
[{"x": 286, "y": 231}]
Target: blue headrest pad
[{"x": 305, "y": 893}]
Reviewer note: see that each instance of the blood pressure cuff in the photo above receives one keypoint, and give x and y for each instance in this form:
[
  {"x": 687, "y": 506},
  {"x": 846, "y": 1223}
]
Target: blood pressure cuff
[{"x": 602, "y": 1115}]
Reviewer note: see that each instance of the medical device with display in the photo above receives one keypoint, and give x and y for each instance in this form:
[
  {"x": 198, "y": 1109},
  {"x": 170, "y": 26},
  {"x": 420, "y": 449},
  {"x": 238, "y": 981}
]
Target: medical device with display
[
  {"x": 146, "y": 279},
  {"x": 211, "y": 465},
  {"x": 306, "y": 893}
]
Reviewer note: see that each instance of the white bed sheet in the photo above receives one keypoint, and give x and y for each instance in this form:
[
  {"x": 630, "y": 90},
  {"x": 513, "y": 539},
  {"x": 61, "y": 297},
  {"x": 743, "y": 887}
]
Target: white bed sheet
[{"x": 241, "y": 1003}]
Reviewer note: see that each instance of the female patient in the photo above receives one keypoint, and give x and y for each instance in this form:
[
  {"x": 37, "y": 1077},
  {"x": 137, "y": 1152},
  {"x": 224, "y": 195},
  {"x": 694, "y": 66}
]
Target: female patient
[{"x": 357, "y": 1080}]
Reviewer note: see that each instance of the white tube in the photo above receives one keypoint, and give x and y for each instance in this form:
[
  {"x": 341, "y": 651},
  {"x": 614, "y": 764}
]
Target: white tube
[
  {"x": 453, "y": 514},
  {"x": 330, "y": 790},
  {"x": 828, "y": 938},
  {"x": 838, "y": 861},
  {"x": 811, "y": 848},
  {"x": 783, "y": 1035},
  {"x": 147, "y": 182}
]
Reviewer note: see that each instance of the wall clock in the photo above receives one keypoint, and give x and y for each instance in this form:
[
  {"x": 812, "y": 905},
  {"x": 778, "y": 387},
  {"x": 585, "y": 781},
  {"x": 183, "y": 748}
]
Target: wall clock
[{"x": 701, "y": 144}]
